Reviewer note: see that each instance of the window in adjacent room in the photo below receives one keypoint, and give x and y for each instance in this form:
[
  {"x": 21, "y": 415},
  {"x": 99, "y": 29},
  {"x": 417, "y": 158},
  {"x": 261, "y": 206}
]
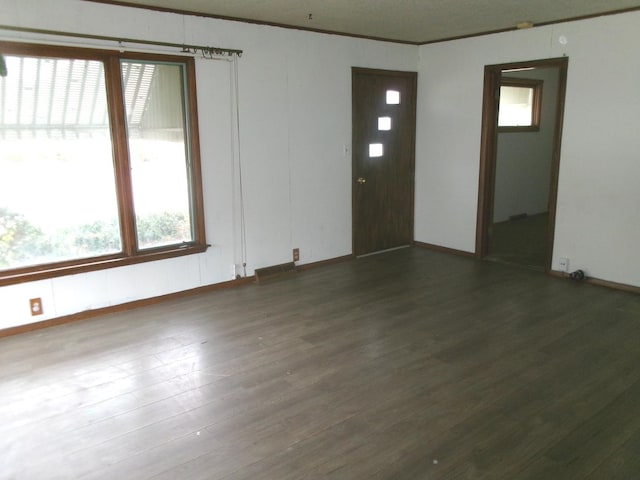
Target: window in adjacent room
[
  {"x": 99, "y": 161},
  {"x": 520, "y": 104}
]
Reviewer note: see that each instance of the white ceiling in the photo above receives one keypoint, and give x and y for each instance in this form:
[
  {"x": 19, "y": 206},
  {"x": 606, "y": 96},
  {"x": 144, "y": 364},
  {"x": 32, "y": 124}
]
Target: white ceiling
[{"x": 413, "y": 21}]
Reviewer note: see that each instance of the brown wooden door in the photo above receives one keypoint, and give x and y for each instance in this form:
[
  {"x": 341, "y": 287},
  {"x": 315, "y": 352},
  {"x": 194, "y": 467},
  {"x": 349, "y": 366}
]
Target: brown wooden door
[{"x": 383, "y": 159}]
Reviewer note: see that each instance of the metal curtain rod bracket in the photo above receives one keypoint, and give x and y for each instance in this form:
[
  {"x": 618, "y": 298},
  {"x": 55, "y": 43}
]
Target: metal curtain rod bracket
[{"x": 207, "y": 52}]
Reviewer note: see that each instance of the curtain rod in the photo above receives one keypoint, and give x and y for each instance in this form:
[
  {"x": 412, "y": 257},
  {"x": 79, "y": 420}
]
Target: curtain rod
[{"x": 205, "y": 50}]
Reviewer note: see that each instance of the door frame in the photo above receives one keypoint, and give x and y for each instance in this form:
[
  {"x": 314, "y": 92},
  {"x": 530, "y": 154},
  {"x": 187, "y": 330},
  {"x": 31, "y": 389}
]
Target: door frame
[
  {"x": 413, "y": 77},
  {"x": 489, "y": 149}
]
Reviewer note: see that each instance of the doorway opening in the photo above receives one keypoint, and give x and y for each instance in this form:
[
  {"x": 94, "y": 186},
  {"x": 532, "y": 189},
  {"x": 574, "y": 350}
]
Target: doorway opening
[{"x": 523, "y": 106}]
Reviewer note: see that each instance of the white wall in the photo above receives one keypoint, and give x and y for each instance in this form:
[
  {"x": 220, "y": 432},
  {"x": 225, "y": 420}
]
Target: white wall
[
  {"x": 598, "y": 224},
  {"x": 295, "y": 114},
  {"x": 523, "y": 159}
]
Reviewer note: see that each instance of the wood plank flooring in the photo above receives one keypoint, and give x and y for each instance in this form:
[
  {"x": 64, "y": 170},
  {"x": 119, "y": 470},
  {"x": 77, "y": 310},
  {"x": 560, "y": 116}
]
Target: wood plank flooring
[
  {"x": 411, "y": 364},
  {"x": 522, "y": 241}
]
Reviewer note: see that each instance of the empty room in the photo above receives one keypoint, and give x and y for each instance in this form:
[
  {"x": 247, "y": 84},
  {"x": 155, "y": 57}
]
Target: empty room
[{"x": 301, "y": 239}]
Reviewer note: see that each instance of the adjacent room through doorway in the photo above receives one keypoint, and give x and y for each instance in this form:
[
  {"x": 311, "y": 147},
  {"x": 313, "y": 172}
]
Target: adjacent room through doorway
[{"x": 521, "y": 140}]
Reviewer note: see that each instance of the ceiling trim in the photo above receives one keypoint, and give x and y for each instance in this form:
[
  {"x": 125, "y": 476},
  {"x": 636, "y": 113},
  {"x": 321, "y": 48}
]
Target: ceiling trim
[
  {"x": 249, "y": 20},
  {"x": 354, "y": 35},
  {"x": 540, "y": 24}
]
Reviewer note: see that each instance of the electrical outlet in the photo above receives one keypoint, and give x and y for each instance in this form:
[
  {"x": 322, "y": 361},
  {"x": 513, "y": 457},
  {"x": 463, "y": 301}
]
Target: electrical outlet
[
  {"x": 563, "y": 263},
  {"x": 35, "y": 305},
  {"x": 296, "y": 254}
]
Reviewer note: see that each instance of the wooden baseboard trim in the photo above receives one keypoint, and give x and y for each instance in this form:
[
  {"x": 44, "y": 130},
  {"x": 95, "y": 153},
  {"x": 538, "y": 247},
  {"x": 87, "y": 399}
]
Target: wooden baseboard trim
[
  {"x": 251, "y": 280},
  {"x": 324, "y": 263},
  {"x": 441, "y": 249},
  {"x": 599, "y": 282},
  {"x": 87, "y": 314}
]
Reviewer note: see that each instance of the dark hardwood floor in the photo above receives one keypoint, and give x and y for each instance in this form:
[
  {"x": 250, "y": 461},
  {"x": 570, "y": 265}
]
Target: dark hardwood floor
[
  {"x": 411, "y": 364},
  {"x": 521, "y": 241}
]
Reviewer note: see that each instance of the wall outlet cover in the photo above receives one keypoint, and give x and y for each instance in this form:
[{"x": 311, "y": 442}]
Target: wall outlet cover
[{"x": 563, "y": 263}]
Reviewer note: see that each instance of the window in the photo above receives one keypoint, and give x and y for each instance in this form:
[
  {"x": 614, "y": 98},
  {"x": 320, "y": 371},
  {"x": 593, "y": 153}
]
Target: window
[
  {"x": 99, "y": 161},
  {"x": 393, "y": 97},
  {"x": 384, "y": 123},
  {"x": 376, "y": 150},
  {"x": 520, "y": 103}
]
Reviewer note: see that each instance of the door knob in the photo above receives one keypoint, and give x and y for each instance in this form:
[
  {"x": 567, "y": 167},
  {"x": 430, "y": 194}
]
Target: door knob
[{"x": 361, "y": 180}]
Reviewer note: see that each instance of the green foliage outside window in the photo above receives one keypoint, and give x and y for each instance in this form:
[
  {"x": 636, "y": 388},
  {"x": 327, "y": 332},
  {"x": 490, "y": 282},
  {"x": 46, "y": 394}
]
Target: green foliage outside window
[{"x": 21, "y": 243}]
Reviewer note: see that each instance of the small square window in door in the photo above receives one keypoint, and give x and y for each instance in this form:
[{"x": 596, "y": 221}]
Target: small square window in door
[
  {"x": 375, "y": 150},
  {"x": 384, "y": 123},
  {"x": 393, "y": 97}
]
